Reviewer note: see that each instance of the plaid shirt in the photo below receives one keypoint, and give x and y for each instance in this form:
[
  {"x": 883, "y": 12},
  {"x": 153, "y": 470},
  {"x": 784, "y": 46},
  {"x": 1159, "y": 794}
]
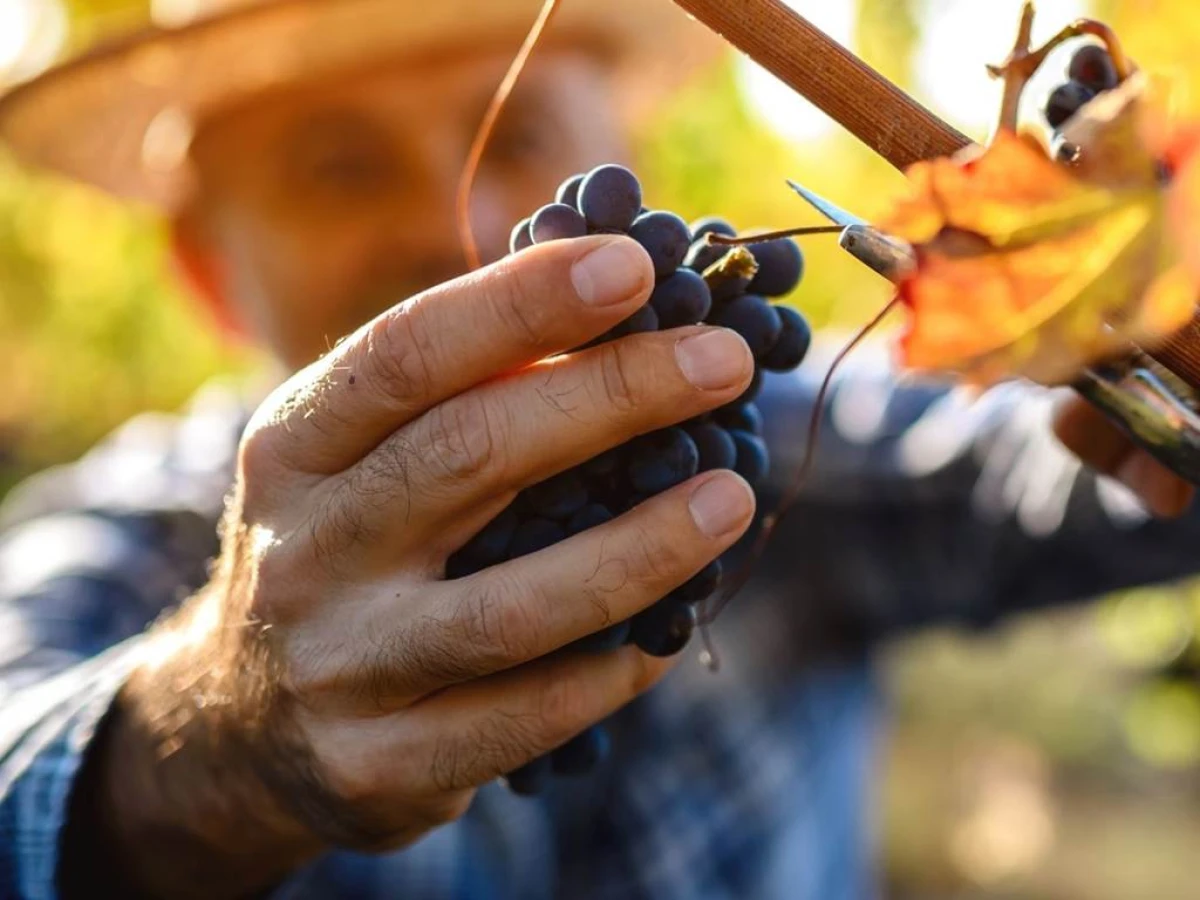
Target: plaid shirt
[{"x": 926, "y": 509}]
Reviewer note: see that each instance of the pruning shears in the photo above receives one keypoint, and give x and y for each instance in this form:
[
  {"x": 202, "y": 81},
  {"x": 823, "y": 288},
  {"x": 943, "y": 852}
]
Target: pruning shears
[{"x": 1150, "y": 404}]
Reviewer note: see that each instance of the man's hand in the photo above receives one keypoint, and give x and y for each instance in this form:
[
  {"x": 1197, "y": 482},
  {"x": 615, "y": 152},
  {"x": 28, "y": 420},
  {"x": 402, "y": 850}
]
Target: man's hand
[
  {"x": 1089, "y": 434},
  {"x": 329, "y": 688}
]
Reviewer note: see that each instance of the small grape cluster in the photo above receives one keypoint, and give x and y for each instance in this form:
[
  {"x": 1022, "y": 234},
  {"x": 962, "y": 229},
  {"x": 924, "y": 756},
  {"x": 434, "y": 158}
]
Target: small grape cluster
[
  {"x": 696, "y": 282},
  {"x": 1091, "y": 73}
]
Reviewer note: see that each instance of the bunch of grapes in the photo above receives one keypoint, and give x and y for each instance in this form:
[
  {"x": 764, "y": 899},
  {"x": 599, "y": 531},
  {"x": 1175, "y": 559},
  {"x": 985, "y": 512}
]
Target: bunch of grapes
[
  {"x": 1090, "y": 74},
  {"x": 696, "y": 282}
]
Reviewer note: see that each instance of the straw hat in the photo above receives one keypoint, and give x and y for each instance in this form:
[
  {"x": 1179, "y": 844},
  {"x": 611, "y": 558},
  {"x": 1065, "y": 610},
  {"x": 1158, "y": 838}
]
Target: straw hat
[{"x": 121, "y": 117}]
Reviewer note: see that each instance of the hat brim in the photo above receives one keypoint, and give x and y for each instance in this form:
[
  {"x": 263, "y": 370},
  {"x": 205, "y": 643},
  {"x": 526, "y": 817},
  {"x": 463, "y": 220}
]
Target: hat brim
[{"x": 119, "y": 117}]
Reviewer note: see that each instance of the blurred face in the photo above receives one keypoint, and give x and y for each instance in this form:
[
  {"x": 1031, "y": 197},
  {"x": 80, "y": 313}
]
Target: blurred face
[{"x": 318, "y": 209}]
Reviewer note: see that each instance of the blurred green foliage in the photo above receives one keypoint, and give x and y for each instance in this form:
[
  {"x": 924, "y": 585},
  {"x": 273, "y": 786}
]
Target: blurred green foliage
[{"x": 91, "y": 329}]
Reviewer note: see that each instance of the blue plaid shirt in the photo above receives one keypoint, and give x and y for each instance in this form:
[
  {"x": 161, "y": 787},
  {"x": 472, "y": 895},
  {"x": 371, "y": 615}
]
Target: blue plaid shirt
[{"x": 926, "y": 509}]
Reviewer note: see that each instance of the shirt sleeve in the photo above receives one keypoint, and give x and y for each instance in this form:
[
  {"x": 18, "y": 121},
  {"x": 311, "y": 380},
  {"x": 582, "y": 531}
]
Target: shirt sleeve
[
  {"x": 90, "y": 554},
  {"x": 76, "y": 592},
  {"x": 927, "y": 506},
  {"x": 45, "y": 730}
]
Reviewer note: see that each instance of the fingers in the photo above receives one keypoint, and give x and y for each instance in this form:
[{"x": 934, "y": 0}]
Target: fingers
[
  {"x": 542, "y": 301},
  {"x": 495, "y": 725},
  {"x": 1091, "y": 436},
  {"x": 390, "y": 773},
  {"x": 1102, "y": 446},
  {"x": 512, "y": 613},
  {"x": 1163, "y": 493},
  {"x": 520, "y": 430}
]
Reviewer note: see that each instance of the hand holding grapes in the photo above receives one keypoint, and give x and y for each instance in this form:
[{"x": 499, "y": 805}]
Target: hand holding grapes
[{"x": 328, "y": 687}]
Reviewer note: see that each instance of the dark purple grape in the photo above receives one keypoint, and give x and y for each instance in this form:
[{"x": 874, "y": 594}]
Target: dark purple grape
[
  {"x": 681, "y": 299},
  {"x": 1065, "y": 101},
  {"x": 556, "y": 222},
  {"x": 533, "y": 535},
  {"x": 664, "y": 629},
  {"x": 461, "y": 564},
  {"x": 701, "y": 585},
  {"x": 531, "y": 778},
  {"x": 589, "y": 517},
  {"x": 604, "y": 464},
  {"x": 793, "y": 343},
  {"x": 610, "y": 198},
  {"x": 662, "y": 460},
  {"x": 568, "y": 191},
  {"x": 715, "y": 446},
  {"x": 611, "y": 638},
  {"x": 740, "y": 417},
  {"x": 559, "y": 497},
  {"x": 754, "y": 319},
  {"x": 753, "y": 461},
  {"x": 727, "y": 286},
  {"x": 1093, "y": 67},
  {"x": 665, "y": 237},
  {"x": 780, "y": 267},
  {"x": 752, "y": 390},
  {"x": 521, "y": 237},
  {"x": 582, "y": 753},
  {"x": 711, "y": 225},
  {"x": 643, "y": 321},
  {"x": 701, "y": 255},
  {"x": 490, "y": 546},
  {"x": 747, "y": 397}
]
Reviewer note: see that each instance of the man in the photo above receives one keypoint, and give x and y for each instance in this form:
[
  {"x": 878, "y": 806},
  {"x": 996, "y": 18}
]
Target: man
[{"x": 323, "y": 715}]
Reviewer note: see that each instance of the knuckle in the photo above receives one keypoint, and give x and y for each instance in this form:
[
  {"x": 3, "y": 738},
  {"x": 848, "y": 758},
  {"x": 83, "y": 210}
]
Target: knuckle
[
  {"x": 380, "y": 672},
  {"x": 399, "y": 351},
  {"x": 461, "y": 439},
  {"x": 496, "y": 620},
  {"x": 257, "y": 462},
  {"x": 382, "y": 477},
  {"x": 563, "y": 708},
  {"x": 516, "y": 302},
  {"x": 441, "y": 659},
  {"x": 336, "y": 526},
  {"x": 461, "y": 761},
  {"x": 616, "y": 378},
  {"x": 353, "y": 783},
  {"x": 654, "y": 560}
]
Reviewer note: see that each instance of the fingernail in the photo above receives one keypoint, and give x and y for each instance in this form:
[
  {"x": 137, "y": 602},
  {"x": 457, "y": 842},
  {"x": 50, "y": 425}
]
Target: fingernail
[
  {"x": 611, "y": 273},
  {"x": 714, "y": 359},
  {"x": 721, "y": 504}
]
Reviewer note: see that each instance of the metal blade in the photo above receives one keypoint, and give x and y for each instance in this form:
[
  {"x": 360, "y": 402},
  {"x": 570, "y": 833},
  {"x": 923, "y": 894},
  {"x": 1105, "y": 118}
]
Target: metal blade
[{"x": 833, "y": 213}]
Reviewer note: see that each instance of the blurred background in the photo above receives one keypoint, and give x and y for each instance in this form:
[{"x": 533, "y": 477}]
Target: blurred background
[{"x": 1057, "y": 757}]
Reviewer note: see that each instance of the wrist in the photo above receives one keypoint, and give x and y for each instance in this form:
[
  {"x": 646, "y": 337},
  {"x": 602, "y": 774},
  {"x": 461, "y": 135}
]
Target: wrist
[{"x": 169, "y": 801}]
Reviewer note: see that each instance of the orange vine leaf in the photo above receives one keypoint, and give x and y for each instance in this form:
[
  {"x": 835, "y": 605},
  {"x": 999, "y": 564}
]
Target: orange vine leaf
[{"x": 1027, "y": 267}]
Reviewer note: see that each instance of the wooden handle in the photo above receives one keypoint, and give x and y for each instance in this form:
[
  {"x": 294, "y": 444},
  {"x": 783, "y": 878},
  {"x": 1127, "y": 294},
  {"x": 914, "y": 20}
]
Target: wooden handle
[
  {"x": 849, "y": 91},
  {"x": 1180, "y": 353}
]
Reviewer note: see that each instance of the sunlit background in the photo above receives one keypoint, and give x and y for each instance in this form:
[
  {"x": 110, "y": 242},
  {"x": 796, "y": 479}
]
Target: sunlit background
[{"x": 1058, "y": 757}]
